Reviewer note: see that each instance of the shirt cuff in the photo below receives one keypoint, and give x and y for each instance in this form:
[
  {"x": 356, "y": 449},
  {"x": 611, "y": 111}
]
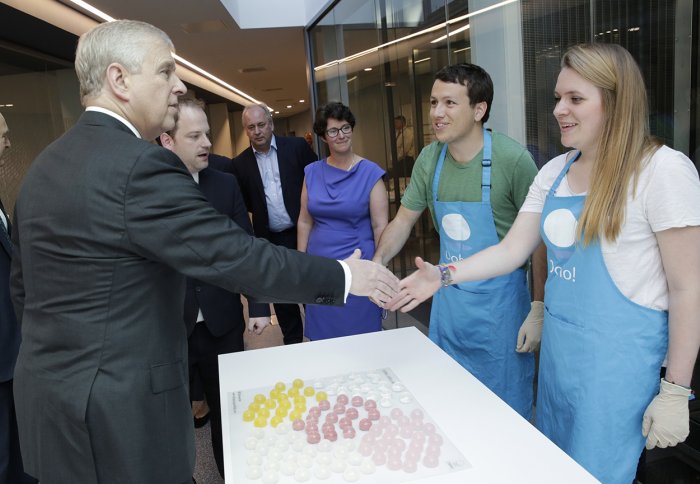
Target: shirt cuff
[{"x": 348, "y": 280}]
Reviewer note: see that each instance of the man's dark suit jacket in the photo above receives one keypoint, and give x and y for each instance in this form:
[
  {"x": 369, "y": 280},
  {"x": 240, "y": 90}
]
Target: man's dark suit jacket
[
  {"x": 9, "y": 330},
  {"x": 293, "y": 154},
  {"x": 106, "y": 226},
  {"x": 222, "y": 310}
]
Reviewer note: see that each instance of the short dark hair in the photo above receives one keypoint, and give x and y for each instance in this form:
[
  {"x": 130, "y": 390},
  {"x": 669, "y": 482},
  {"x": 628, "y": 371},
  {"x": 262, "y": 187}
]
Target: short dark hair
[
  {"x": 401, "y": 118},
  {"x": 328, "y": 111},
  {"x": 477, "y": 81}
]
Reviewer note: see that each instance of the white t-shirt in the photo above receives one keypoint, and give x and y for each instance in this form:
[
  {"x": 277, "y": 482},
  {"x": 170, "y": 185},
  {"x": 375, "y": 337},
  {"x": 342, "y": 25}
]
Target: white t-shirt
[{"x": 667, "y": 196}]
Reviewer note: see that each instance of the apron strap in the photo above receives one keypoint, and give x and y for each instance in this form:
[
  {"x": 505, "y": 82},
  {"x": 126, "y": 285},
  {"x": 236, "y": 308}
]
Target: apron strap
[
  {"x": 485, "y": 169},
  {"x": 563, "y": 173}
]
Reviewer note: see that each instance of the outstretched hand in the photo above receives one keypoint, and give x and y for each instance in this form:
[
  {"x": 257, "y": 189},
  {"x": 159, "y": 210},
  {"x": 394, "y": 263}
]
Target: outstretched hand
[
  {"x": 416, "y": 288},
  {"x": 371, "y": 279}
]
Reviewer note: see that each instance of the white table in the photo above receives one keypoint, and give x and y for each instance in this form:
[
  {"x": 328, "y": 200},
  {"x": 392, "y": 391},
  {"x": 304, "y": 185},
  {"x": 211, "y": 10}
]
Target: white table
[{"x": 500, "y": 445}]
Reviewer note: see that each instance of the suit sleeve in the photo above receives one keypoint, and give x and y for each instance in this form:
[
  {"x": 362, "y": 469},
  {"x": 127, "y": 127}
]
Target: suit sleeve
[{"x": 168, "y": 219}]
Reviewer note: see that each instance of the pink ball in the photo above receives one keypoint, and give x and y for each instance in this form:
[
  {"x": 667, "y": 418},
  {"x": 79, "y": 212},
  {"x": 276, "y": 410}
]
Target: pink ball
[
  {"x": 345, "y": 422},
  {"x": 352, "y": 413},
  {"x": 298, "y": 424},
  {"x": 339, "y": 408},
  {"x": 373, "y": 414},
  {"x": 311, "y": 427},
  {"x": 324, "y": 405},
  {"x": 331, "y": 417},
  {"x": 429, "y": 428},
  {"x": 349, "y": 433},
  {"x": 396, "y": 413},
  {"x": 399, "y": 444},
  {"x": 343, "y": 399},
  {"x": 394, "y": 463},
  {"x": 412, "y": 454},
  {"x": 332, "y": 436},
  {"x": 430, "y": 461},
  {"x": 416, "y": 414},
  {"x": 314, "y": 412},
  {"x": 328, "y": 427},
  {"x": 410, "y": 466},
  {"x": 357, "y": 401},
  {"x": 385, "y": 419},
  {"x": 313, "y": 438},
  {"x": 365, "y": 424},
  {"x": 435, "y": 439},
  {"x": 369, "y": 403},
  {"x": 406, "y": 432},
  {"x": 379, "y": 458},
  {"x": 433, "y": 451}
]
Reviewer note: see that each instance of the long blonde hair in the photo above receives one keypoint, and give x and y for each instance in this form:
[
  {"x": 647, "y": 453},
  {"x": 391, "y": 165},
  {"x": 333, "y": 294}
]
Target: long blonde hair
[{"x": 625, "y": 141}]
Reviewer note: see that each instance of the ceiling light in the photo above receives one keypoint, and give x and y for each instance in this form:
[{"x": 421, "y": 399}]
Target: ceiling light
[
  {"x": 352, "y": 78},
  {"x": 289, "y": 106},
  {"x": 301, "y": 100},
  {"x": 421, "y": 60},
  {"x": 461, "y": 50},
  {"x": 368, "y": 69},
  {"x": 277, "y": 112},
  {"x": 454, "y": 32}
]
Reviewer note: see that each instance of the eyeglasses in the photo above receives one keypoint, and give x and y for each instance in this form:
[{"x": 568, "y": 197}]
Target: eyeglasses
[{"x": 333, "y": 132}]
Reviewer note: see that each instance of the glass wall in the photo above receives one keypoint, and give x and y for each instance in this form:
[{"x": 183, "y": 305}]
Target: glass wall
[{"x": 379, "y": 57}]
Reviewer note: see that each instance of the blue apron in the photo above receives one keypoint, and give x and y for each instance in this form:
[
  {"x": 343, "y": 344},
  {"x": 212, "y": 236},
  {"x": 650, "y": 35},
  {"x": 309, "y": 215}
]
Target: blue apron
[
  {"x": 477, "y": 323},
  {"x": 601, "y": 352}
]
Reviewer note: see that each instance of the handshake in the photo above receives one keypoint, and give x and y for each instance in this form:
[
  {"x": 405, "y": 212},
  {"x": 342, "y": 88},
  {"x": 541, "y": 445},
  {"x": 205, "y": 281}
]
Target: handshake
[{"x": 383, "y": 288}]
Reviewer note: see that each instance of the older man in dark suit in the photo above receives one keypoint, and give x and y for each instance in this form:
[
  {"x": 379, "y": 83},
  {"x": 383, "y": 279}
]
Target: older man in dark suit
[
  {"x": 106, "y": 223},
  {"x": 271, "y": 173},
  {"x": 10, "y": 459},
  {"x": 213, "y": 316}
]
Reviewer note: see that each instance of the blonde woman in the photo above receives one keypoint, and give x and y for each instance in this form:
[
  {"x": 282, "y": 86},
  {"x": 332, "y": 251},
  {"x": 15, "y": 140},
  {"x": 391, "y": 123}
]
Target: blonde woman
[{"x": 620, "y": 215}]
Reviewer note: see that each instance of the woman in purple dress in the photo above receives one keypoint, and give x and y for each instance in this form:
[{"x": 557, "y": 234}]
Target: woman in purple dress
[{"x": 344, "y": 206}]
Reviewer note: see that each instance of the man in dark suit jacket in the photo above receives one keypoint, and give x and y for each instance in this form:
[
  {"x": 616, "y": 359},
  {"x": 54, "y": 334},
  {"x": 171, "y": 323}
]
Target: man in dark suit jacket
[
  {"x": 107, "y": 224},
  {"x": 213, "y": 316},
  {"x": 10, "y": 459},
  {"x": 271, "y": 173}
]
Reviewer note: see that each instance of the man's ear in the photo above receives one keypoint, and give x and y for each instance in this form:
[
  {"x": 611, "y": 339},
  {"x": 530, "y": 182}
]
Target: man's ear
[
  {"x": 480, "y": 110},
  {"x": 167, "y": 141},
  {"x": 118, "y": 81}
]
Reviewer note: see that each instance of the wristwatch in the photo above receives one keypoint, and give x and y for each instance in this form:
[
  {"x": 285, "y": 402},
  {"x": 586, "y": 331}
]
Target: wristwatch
[{"x": 445, "y": 275}]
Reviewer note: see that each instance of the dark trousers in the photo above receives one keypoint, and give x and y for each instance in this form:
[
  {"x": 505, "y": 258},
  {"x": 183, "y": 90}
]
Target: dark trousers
[
  {"x": 288, "y": 315},
  {"x": 11, "y": 469},
  {"x": 204, "y": 349}
]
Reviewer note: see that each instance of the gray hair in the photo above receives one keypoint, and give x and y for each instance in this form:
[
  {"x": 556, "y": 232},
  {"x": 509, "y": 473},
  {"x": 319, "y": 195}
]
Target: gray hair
[
  {"x": 122, "y": 41},
  {"x": 263, "y": 106}
]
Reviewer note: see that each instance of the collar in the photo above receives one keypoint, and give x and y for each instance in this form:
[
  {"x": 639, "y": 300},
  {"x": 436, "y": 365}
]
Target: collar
[
  {"x": 273, "y": 144},
  {"x": 115, "y": 116}
]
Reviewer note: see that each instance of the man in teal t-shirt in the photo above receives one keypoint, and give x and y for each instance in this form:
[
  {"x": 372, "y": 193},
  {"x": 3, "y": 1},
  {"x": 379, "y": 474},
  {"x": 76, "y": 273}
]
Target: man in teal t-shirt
[{"x": 474, "y": 181}]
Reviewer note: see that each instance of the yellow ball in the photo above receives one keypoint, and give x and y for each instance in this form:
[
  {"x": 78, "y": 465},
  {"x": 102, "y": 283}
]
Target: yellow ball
[
  {"x": 253, "y": 407},
  {"x": 294, "y": 415},
  {"x": 309, "y": 391},
  {"x": 263, "y": 412},
  {"x": 270, "y": 403},
  {"x": 321, "y": 396},
  {"x": 281, "y": 411},
  {"x": 248, "y": 416},
  {"x": 280, "y": 386},
  {"x": 260, "y": 422},
  {"x": 274, "y": 393},
  {"x": 293, "y": 392},
  {"x": 298, "y": 383},
  {"x": 275, "y": 421},
  {"x": 285, "y": 404},
  {"x": 259, "y": 398}
]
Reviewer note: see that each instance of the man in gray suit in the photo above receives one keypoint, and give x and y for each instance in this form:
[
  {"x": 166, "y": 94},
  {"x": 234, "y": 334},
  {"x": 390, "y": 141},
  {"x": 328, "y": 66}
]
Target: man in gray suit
[
  {"x": 106, "y": 225},
  {"x": 10, "y": 459}
]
